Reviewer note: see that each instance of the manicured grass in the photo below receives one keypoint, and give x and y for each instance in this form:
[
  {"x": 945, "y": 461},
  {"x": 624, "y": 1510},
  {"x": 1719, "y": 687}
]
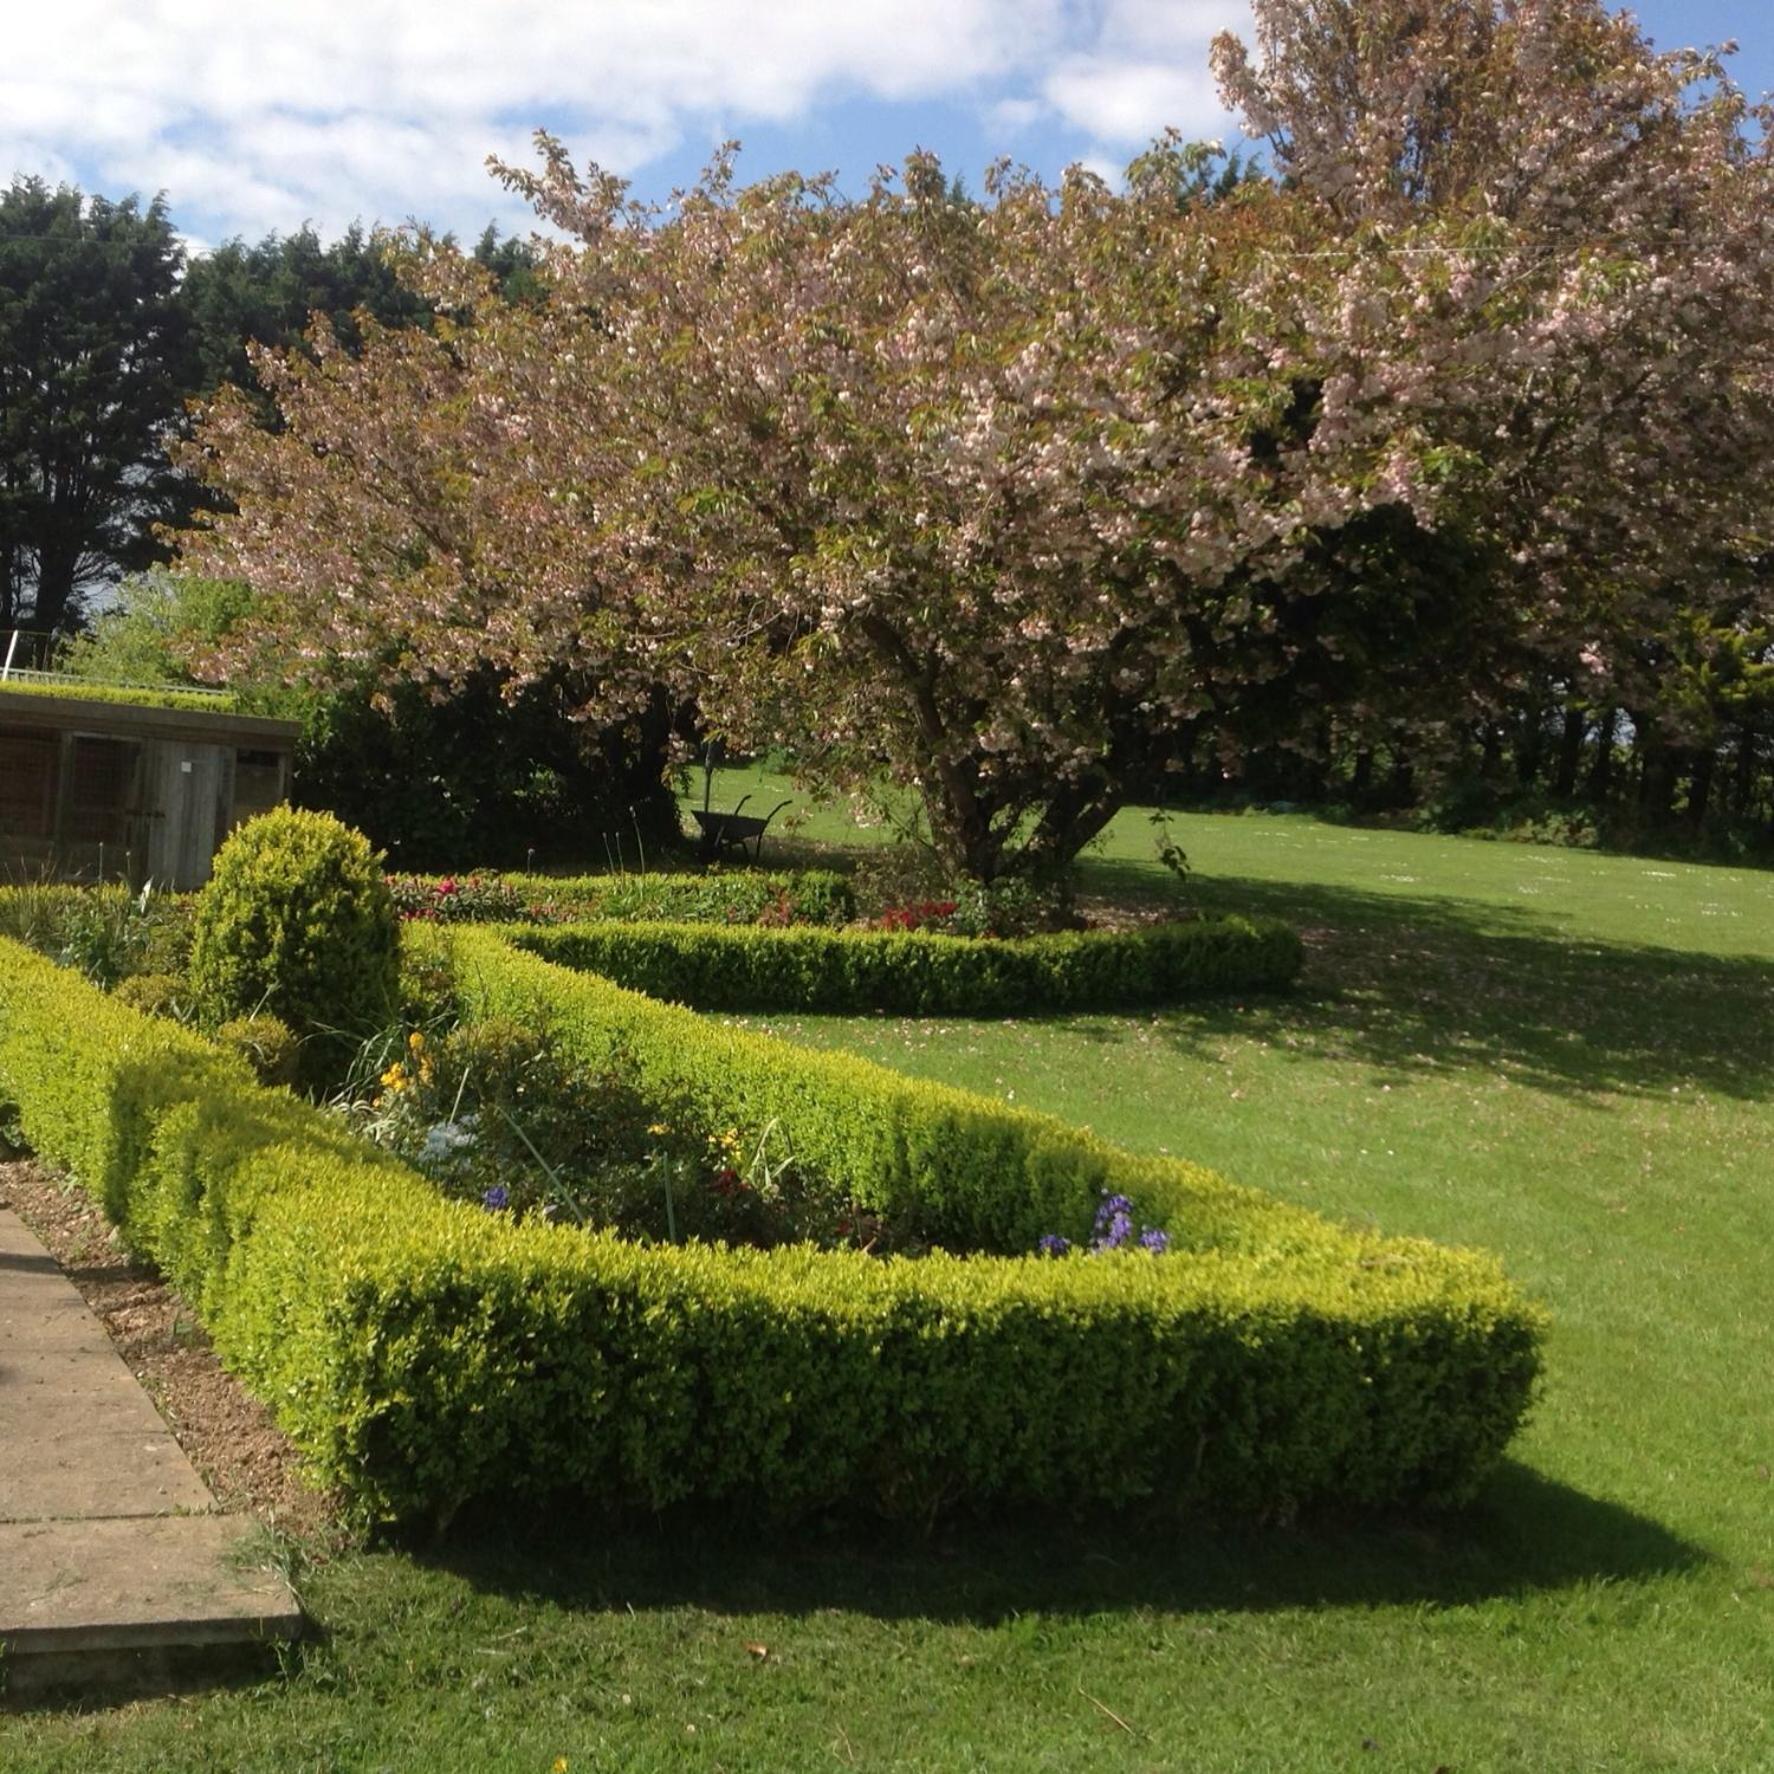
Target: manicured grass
[{"x": 1565, "y": 1057}]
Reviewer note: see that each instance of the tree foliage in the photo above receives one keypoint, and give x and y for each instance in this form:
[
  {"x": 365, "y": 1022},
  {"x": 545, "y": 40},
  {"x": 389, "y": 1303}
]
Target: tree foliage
[
  {"x": 241, "y": 296},
  {"x": 436, "y": 780},
  {"x": 1013, "y": 498},
  {"x": 92, "y": 354}
]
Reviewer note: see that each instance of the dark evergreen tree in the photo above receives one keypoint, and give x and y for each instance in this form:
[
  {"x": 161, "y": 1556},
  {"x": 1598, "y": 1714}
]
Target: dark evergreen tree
[
  {"x": 268, "y": 294},
  {"x": 93, "y": 364}
]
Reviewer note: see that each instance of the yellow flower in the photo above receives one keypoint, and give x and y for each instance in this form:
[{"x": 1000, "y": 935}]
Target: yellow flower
[
  {"x": 395, "y": 1077},
  {"x": 659, "y": 1127},
  {"x": 416, "y": 1041},
  {"x": 560, "y": 1765}
]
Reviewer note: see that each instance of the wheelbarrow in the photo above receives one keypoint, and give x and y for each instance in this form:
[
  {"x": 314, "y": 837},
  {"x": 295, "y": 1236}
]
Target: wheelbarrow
[{"x": 734, "y": 831}]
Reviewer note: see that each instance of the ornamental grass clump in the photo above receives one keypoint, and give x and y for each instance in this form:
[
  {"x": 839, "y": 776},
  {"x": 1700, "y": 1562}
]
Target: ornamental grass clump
[{"x": 297, "y": 922}]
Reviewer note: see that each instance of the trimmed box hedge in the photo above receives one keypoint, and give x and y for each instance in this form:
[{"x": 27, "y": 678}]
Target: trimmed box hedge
[
  {"x": 423, "y": 1352},
  {"x": 712, "y": 967}
]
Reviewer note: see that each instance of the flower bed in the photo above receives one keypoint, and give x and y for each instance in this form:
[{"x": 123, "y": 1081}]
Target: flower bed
[
  {"x": 496, "y": 1114},
  {"x": 741, "y": 896},
  {"x": 424, "y": 1351}
]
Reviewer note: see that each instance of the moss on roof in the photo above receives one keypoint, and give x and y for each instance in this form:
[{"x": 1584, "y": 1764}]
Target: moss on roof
[{"x": 77, "y": 690}]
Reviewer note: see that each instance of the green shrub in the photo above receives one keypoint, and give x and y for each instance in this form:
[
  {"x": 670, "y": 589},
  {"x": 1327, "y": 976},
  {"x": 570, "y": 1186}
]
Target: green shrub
[
  {"x": 267, "y": 1044},
  {"x": 156, "y": 994},
  {"x": 297, "y": 922},
  {"x": 917, "y": 974},
  {"x": 424, "y": 1352},
  {"x": 427, "y": 977},
  {"x": 1008, "y": 908}
]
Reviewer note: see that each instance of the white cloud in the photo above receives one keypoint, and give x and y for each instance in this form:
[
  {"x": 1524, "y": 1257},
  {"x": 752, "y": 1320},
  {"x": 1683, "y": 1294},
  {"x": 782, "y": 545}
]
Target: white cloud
[
  {"x": 1130, "y": 102},
  {"x": 1013, "y": 116},
  {"x": 266, "y": 114},
  {"x": 1145, "y": 71}
]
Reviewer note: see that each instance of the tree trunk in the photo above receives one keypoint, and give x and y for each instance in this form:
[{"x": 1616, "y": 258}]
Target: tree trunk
[
  {"x": 1743, "y": 777},
  {"x": 1570, "y": 754},
  {"x": 1068, "y": 822},
  {"x": 1490, "y": 751},
  {"x": 1401, "y": 784},
  {"x": 1530, "y": 749},
  {"x": 1700, "y": 786},
  {"x": 54, "y": 593},
  {"x": 960, "y": 825},
  {"x": 1657, "y": 774},
  {"x": 1601, "y": 772}
]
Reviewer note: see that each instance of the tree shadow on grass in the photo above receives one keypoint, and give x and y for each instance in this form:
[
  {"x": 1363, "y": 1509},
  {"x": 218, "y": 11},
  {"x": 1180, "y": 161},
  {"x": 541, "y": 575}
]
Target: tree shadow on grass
[
  {"x": 1526, "y": 1534},
  {"x": 1420, "y": 985}
]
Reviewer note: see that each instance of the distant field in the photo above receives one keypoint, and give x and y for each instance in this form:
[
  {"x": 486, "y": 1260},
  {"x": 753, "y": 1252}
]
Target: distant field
[{"x": 1565, "y": 1057}]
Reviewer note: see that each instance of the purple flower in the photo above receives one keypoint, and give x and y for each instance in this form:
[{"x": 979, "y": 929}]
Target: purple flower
[
  {"x": 1114, "y": 1232},
  {"x": 1053, "y": 1245},
  {"x": 495, "y": 1198},
  {"x": 1110, "y": 1207},
  {"x": 1154, "y": 1240}
]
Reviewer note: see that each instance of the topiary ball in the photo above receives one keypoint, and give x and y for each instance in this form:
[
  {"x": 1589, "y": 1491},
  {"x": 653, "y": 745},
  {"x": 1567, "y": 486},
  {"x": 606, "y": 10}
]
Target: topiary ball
[{"x": 297, "y": 922}]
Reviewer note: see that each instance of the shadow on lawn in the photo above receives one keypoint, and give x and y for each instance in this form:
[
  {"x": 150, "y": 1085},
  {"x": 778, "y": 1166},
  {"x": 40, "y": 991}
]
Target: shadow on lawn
[
  {"x": 1417, "y": 984},
  {"x": 1527, "y": 1534}
]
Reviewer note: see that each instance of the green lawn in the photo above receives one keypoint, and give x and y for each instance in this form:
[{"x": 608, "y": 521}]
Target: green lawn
[{"x": 1562, "y": 1056}]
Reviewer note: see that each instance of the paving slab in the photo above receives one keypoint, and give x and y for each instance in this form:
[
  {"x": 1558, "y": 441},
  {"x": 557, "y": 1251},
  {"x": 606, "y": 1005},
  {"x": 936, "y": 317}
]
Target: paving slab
[
  {"x": 135, "y": 1582},
  {"x": 110, "y": 1543}
]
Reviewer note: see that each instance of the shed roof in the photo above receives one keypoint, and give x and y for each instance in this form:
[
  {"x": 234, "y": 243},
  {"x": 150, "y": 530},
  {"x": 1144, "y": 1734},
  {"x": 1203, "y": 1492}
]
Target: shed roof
[{"x": 209, "y": 718}]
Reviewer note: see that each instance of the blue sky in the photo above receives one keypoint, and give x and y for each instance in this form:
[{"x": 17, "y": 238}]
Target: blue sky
[{"x": 334, "y": 110}]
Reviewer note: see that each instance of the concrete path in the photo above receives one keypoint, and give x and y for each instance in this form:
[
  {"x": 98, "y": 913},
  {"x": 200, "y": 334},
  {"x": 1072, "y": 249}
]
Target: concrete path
[{"x": 114, "y": 1562}]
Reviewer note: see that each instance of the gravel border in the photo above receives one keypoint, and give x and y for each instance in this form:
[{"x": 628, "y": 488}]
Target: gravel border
[{"x": 244, "y": 1458}]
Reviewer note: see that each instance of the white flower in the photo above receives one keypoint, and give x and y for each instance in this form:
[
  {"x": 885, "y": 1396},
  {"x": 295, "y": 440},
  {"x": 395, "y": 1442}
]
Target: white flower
[{"x": 446, "y": 1139}]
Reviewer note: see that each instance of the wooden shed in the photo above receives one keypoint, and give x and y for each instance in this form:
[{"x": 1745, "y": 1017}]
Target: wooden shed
[{"x": 102, "y": 784}]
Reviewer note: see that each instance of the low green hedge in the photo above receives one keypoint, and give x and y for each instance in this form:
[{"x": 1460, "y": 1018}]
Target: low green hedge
[
  {"x": 909, "y": 973},
  {"x": 423, "y": 1352},
  {"x": 740, "y": 896}
]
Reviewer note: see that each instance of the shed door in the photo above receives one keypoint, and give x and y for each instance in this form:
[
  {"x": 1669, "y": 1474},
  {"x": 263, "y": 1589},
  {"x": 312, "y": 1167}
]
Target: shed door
[
  {"x": 101, "y": 802},
  {"x": 192, "y": 790}
]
